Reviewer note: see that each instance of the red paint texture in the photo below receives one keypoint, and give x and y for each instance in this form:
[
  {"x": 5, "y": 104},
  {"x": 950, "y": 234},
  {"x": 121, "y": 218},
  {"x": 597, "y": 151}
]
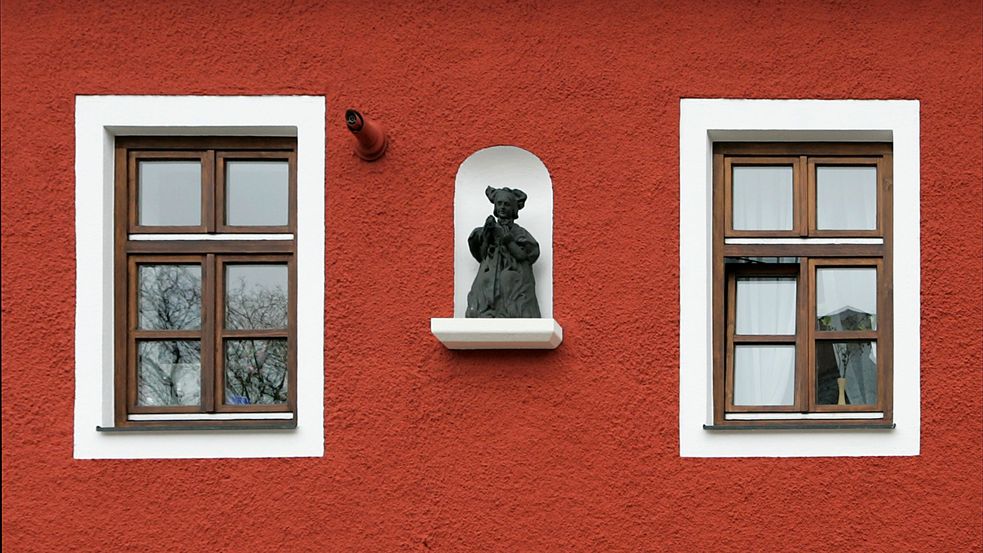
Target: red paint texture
[{"x": 575, "y": 449}]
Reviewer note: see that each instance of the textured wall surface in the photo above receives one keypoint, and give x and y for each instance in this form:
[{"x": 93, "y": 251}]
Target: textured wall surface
[{"x": 575, "y": 449}]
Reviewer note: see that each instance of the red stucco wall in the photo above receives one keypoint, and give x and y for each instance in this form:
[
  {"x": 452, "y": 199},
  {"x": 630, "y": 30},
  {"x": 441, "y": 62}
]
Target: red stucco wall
[{"x": 575, "y": 449}]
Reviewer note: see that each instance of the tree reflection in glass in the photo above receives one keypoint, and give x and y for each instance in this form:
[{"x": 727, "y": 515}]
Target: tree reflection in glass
[
  {"x": 255, "y": 299},
  {"x": 168, "y": 372},
  {"x": 169, "y": 297},
  {"x": 256, "y": 296},
  {"x": 255, "y": 371}
]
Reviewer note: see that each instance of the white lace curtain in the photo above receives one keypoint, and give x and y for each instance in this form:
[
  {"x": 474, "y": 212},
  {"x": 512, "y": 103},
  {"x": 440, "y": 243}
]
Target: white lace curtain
[
  {"x": 762, "y": 198},
  {"x": 846, "y": 288},
  {"x": 846, "y": 198},
  {"x": 765, "y": 375}
]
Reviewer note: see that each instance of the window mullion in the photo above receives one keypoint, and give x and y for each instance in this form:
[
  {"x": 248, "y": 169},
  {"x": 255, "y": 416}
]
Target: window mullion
[
  {"x": 719, "y": 280},
  {"x": 731, "y": 302},
  {"x": 209, "y": 192},
  {"x": 218, "y": 376},
  {"x": 292, "y": 326},
  {"x": 804, "y": 191},
  {"x": 131, "y": 325},
  {"x": 208, "y": 336},
  {"x": 803, "y": 340},
  {"x": 121, "y": 285},
  {"x": 884, "y": 319}
]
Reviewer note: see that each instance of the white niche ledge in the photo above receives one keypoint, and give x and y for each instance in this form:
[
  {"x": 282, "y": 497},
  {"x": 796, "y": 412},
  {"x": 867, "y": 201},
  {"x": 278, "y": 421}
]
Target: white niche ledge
[
  {"x": 460, "y": 333},
  {"x": 514, "y": 167}
]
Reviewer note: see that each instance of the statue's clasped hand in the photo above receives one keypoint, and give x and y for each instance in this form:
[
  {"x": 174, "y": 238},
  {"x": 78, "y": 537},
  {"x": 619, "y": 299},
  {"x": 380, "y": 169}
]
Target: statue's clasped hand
[{"x": 495, "y": 232}]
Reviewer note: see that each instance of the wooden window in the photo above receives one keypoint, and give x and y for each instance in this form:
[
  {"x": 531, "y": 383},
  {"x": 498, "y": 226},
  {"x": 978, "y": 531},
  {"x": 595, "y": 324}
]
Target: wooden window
[
  {"x": 802, "y": 277},
  {"x": 205, "y": 280}
]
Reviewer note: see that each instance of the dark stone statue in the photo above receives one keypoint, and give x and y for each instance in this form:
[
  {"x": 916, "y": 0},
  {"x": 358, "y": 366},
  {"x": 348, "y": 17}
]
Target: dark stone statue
[{"x": 505, "y": 286}]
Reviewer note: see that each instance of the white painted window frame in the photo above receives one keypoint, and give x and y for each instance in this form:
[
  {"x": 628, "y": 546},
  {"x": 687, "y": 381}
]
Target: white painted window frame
[
  {"x": 98, "y": 120},
  {"x": 705, "y": 121}
]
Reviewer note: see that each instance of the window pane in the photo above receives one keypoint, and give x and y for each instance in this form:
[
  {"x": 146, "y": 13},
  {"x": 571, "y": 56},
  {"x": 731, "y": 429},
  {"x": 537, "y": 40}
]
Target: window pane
[
  {"x": 762, "y": 198},
  {"x": 764, "y": 375},
  {"x": 765, "y": 305},
  {"x": 846, "y": 299},
  {"x": 850, "y": 365},
  {"x": 168, "y": 372},
  {"x": 169, "y": 193},
  {"x": 846, "y": 198},
  {"x": 256, "y": 296},
  {"x": 169, "y": 297},
  {"x": 255, "y": 371},
  {"x": 256, "y": 193}
]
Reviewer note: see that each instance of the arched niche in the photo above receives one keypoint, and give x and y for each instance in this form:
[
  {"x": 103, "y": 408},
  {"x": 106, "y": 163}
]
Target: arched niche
[{"x": 513, "y": 167}]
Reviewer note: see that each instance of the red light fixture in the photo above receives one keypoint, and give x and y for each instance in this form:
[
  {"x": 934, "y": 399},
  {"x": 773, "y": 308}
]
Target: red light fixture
[{"x": 372, "y": 140}]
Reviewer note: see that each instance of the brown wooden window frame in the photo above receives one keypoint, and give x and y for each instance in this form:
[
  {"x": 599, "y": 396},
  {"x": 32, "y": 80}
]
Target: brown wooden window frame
[
  {"x": 212, "y": 255},
  {"x": 801, "y": 258}
]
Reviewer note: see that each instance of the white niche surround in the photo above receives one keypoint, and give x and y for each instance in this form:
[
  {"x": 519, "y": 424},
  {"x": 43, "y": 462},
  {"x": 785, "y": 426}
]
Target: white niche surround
[{"x": 513, "y": 167}]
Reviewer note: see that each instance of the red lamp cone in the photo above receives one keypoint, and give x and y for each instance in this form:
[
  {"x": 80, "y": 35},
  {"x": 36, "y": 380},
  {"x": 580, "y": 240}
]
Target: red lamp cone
[{"x": 372, "y": 140}]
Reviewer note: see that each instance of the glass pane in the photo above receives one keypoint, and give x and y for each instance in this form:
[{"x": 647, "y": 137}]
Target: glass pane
[
  {"x": 846, "y": 373},
  {"x": 169, "y": 297},
  {"x": 846, "y": 299},
  {"x": 169, "y": 193},
  {"x": 255, "y": 296},
  {"x": 765, "y": 305},
  {"x": 764, "y": 375},
  {"x": 256, "y": 193},
  {"x": 255, "y": 371},
  {"x": 168, "y": 372},
  {"x": 846, "y": 198},
  {"x": 762, "y": 198}
]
